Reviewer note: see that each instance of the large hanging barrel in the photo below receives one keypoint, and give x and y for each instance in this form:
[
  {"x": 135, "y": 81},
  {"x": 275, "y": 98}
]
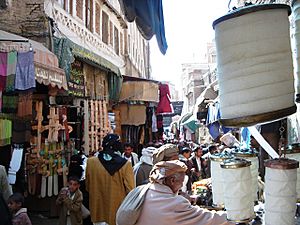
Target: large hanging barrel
[
  {"x": 280, "y": 191},
  {"x": 251, "y": 155},
  {"x": 254, "y": 65},
  {"x": 238, "y": 198},
  {"x": 216, "y": 179},
  {"x": 296, "y": 13}
]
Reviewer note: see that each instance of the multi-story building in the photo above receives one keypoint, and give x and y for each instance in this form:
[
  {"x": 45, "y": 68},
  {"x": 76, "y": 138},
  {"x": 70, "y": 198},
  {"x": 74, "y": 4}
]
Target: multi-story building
[{"x": 192, "y": 82}]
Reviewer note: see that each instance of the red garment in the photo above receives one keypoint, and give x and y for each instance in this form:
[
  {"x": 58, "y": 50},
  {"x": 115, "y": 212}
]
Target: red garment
[{"x": 164, "y": 105}]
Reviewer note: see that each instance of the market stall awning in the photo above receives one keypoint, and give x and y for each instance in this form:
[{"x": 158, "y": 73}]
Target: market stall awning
[
  {"x": 136, "y": 89},
  {"x": 46, "y": 64}
]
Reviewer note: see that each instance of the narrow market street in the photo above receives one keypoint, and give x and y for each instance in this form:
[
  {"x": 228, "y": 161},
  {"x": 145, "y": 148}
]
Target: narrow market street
[{"x": 139, "y": 112}]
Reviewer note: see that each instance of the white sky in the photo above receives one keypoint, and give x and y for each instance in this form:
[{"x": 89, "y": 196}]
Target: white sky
[{"x": 188, "y": 27}]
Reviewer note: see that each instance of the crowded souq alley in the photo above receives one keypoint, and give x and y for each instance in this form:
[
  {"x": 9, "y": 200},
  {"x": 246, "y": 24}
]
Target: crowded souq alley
[{"x": 149, "y": 112}]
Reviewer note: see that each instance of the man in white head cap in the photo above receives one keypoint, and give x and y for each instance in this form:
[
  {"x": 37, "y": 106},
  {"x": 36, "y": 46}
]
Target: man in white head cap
[
  {"x": 162, "y": 205},
  {"x": 142, "y": 169}
]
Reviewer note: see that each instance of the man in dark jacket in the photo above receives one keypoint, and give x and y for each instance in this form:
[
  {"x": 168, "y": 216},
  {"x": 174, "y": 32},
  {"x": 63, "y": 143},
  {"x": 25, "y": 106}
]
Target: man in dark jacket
[{"x": 199, "y": 164}]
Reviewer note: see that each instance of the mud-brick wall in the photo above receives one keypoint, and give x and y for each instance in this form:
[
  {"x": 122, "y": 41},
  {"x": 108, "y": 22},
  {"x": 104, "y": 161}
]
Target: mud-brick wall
[{"x": 26, "y": 18}]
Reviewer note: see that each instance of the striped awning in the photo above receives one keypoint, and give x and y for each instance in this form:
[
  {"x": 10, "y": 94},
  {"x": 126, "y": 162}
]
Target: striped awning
[{"x": 47, "y": 71}]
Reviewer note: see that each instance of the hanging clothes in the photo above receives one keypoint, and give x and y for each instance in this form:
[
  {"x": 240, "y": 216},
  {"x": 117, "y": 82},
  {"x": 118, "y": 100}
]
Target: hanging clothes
[
  {"x": 3, "y": 70},
  {"x": 25, "y": 75},
  {"x": 149, "y": 18},
  {"x": 154, "y": 122},
  {"x": 9, "y": 104},
  {"x": 5, "y": 132},
  {"x": 25, "y": 104},
  {"x": 11, "y": 71},
  {"x": 164, "y": 105}
]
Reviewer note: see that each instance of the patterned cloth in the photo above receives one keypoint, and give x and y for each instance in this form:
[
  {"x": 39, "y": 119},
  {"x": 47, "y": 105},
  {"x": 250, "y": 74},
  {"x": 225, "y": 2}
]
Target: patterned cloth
[
  {"x": 3, "y": 70},
  {"x": 5, "y": 132},
  {"x": 25, "y": 75},
  {"x": 11, "y": 71}
]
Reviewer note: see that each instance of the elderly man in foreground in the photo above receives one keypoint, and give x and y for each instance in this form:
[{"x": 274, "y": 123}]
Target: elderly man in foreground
[{"x": 163, "y": 206}]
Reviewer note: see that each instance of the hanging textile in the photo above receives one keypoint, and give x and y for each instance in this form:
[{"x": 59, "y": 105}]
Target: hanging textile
[
  {"x": 11, "y": 71},
  {"x": 5, "y": 132},
  {"x": 25, "y": 75},
  {"x": 3, "y": 70},
  {"x": 25, "y": 104},
  {"x": 149, "y": 18},
  {"x": 9, "y": 104},
  {"x": 15, "y": 164},
  {"x": 164, "y": 105}
]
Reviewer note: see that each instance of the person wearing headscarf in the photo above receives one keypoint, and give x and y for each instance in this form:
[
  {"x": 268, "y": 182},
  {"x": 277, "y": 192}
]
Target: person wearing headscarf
[
  {"x": 142, "y": 169},
  {"x": 165, "y": 152},
  {"x": 109, "y": 178},
  {"x": 162, "y": 205}
]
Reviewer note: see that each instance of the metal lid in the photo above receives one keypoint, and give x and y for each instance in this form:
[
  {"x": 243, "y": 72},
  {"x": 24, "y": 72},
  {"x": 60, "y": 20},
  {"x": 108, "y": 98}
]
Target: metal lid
[
  {"x": 282, "y": 164},
  {"x": 235, "y": 163},
  {"x": 220, "y": 157},
  {"x": 245, "y": 153},
  {"x": 249, "y": 9}
]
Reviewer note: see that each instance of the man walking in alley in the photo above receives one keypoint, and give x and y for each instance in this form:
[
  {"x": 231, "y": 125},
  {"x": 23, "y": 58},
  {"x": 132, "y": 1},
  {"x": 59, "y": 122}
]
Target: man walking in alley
[{"x": 109, "y": 178}]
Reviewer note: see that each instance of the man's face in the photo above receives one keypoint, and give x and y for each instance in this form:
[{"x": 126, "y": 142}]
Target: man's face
[
  {"x": 127, "y": 151},
  {"x": 199, "y": 152},
  {"x": 176, "y": 183},
  {"x": 187, "y": 154}
]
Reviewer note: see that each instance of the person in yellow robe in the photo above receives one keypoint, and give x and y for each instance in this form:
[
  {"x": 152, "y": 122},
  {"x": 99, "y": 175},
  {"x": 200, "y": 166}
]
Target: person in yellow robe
[{"x": 109, "y": 178}]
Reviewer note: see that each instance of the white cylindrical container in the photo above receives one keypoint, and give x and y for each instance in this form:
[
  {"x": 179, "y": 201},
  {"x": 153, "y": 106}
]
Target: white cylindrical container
[
  {"x": 254, "y": 65},
  {"x": 296, "y": 15},
  {"x": 280, "y": 191},
  {"x": 252, "y": 157},
  {"x": 216, "y": 179},
  {"x": 294, "y": 153},
  {"x": 237, "y": 194}
]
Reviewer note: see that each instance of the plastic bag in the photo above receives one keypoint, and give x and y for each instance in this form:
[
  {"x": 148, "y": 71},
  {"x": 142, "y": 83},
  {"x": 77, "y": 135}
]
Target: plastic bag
[
  {"x": 85, "y": 212},
  {"x": 130, "y": 209}
]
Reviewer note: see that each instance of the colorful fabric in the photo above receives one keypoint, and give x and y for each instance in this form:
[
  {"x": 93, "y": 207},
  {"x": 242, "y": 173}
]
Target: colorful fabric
[
  {"x": 25, "y": 75},
  {"x": 11, "y": 71},
  {"x": 9, "y": 104},
  {"x": 3, "y": 70},
  {"x": 25, "y": 104},
  {"x": 164, "y": 105},
  {"x": 5, "y": 132}
]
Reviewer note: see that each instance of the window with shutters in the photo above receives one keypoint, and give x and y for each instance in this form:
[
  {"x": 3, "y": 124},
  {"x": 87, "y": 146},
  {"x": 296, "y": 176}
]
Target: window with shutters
[
  {"x": 97, "y": 19},
  {"x": 89, "y": 14},
  {"x": 104, "y": 27},
  {"x": 79, "y": 8},
  {"x": 111, "y": 35},
  {"x": 116, "y": 40}
]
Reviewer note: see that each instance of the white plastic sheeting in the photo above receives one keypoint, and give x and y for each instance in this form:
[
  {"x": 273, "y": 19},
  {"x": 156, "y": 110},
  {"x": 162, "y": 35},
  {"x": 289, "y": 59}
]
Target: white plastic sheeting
[
  {"x": 217, "y": 183},
  {"x": 296, "y": 156},
  {"x": 296, "y": 13},
  {"x": 280, "y": 196},
  {"x": 237, "y": 194}
]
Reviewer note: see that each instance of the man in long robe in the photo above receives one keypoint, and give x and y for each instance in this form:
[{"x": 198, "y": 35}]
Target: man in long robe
[
  {"x": 109, "y": 178},
  {"x": 163, "y": 206}
]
